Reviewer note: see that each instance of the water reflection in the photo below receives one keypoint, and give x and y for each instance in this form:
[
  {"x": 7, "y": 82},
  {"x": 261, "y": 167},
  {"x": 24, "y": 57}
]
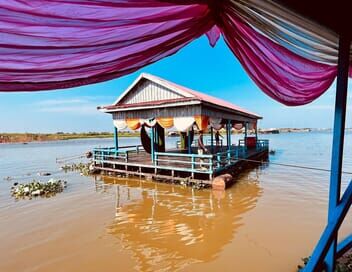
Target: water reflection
[{"x": 168, "y": 227}]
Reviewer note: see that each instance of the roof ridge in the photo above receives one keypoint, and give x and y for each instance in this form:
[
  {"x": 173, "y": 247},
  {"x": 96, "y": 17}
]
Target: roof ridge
[{"x": 202, "y": 96}]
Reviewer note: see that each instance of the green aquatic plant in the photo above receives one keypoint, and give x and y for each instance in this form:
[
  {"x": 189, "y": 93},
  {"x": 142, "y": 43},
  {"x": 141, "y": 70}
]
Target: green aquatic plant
[
  {"x": 38, "y": 188},
  {"x": 83, "y": 168}
]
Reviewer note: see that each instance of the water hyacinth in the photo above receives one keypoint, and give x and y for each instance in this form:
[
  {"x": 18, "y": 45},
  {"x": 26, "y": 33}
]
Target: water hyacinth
[
  {"x": 83, "y": 168},
  {"x": 38, "y": 188}
]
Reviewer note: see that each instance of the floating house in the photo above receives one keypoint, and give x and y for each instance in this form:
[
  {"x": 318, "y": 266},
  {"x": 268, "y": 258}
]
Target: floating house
[{"x": 153, "y": 105}]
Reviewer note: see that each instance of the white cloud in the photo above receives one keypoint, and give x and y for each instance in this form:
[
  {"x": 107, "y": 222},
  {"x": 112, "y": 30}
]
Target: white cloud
[{"x": 75, "y": 105}]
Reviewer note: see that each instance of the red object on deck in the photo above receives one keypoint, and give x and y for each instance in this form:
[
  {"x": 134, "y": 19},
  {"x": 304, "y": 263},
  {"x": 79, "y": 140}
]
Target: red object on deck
[{"x": 251, "y": 141}]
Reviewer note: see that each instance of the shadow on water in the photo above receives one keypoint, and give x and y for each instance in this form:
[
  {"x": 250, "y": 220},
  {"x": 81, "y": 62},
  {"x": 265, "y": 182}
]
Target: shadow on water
[{"x": 168, "y": 227}]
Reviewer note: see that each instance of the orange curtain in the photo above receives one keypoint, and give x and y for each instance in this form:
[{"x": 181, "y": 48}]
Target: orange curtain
[
  {"x": 202, "y": 122},
  {"x": 238, "y": 126},
  {"x": 133, "y": 123},
  {"x": 166, "y": 122}
]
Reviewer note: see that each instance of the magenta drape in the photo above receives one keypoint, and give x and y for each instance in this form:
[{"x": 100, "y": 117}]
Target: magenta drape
[
  {"x": 53, "y": 44},
  {"x": 281, "y": 74}
]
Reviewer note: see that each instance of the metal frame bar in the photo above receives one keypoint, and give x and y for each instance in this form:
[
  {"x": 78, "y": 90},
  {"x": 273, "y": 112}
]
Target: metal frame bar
[
  {"x": 116, "y": 138},
  {"x": 152, "y": 143},
  {"x": 327, "y": 246}
]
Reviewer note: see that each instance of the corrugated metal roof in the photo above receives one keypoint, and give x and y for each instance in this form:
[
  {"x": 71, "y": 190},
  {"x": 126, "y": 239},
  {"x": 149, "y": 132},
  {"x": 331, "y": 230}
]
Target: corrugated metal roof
[{"x": 189, "y": 95}]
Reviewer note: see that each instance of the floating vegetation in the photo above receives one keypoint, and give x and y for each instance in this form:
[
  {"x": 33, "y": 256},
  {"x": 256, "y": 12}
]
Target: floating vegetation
[
  {"x": 344, "y": 264},
  {"x": 44, "y": 174},
  {"x": 38, "y": 188},
  {"x": 85, "y": 169}
]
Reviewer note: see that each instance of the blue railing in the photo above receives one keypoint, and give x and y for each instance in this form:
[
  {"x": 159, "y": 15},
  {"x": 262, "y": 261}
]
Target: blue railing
[
  {"x": 107, "y": 153},
  {"x": 194, "y": 163}
]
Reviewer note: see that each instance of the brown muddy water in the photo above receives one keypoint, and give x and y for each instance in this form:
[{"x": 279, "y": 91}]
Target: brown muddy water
[{"x": 267, "y": 221}]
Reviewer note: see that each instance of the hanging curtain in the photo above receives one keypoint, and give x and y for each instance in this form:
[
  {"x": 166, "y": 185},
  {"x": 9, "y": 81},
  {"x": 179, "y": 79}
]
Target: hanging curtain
[
  {"x": 166, "y": 122},
  {"x": 133, "y": 124},
  {"x": 145, "y": 140},
  {"x": 160, "y": 141},
  {"x": 53, "y": 44},
  {"x": 148, "y": 122},
  {"x": 60, "y": 44},
  {"x": 202, "y": 122},
  {"x": 215, "y": 123},
  {"x": 252, "y": 125},
  {"x": 183, "y": 124},
  {"x": 238, "y": 126},
  {"x": 120, "y": 124}
]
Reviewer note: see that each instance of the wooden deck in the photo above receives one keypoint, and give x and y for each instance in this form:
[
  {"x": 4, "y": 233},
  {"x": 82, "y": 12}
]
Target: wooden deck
[{"x": 177, "y": 164}]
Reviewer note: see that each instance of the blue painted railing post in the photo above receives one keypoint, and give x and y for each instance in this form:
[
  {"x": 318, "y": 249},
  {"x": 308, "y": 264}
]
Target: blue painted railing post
[
  {"x": 245, "y": 137},
  {"x": 212, "y": 139},
  {"x": 189, "y": 143},
  {"x": 327, "y": 246},
  {"x": 338, "y": 140},
  {"x": 116, "y": 138},
  {"x": 152, "y": 143},
  {"x": 229, "y": 129}
]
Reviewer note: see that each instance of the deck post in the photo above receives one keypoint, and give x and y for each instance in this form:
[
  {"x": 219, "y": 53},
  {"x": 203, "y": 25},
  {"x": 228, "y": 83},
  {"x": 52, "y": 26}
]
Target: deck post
[
  {"x": 256, "y": 131},
  {"x": 189, "y": 143},
  {"x": 338, "y": 141},
  {"x": 229, "y": 129},
  {"x": 152, "y": 143},
  {"x": 116, "y": 138},
  {"x": 212, "y": 139}
]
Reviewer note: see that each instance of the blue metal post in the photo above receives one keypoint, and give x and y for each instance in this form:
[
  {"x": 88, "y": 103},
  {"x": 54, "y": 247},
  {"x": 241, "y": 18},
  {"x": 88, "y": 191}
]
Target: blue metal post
[
  {"x": 212, "y": 139},
  {"x": 229, "y": 129},
  {"x": 116, "y": 138},
  {"x": 245, "y": 131},
  {"x": 338, "y": 141},
  {"x": 189, "y": 143},
  {"x": 152, "y": 143}
]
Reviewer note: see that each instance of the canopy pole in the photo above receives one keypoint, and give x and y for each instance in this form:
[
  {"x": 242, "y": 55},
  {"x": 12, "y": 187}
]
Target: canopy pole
[
  {"x": 212, "y": 139},
  {"x": 229, "y": 134},
  {"x": 152, "y": 143},
  {"x": 116, "y": 138},
  {"x": 245, "y": 131},
  {"x": 338, "y": 141},
  {"x": 189, "y": 144}
]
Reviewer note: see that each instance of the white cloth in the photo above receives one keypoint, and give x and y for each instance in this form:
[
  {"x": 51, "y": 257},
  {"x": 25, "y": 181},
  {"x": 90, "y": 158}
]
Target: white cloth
[
  {"x": 215, "y": 123},
  {"x": 287, "y": 28},
  {"x": 238, "y": 126},
  {"x": 251, "y": 126},
  {"x": 183, "y": 124},
  {"x": 120, "y": 124}
]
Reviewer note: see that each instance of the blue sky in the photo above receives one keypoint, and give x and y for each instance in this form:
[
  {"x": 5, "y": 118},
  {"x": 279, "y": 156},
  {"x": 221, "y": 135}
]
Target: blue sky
[{"x": 198, "y": 66}]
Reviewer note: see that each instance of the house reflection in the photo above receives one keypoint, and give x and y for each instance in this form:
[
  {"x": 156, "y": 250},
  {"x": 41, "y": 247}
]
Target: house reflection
[{"x": 167, "y": 227}]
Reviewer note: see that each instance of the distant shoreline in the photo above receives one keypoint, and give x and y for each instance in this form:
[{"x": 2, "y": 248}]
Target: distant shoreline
[
  {"x": 7, "y": 138},
  {"x": 45, "y": 137}
]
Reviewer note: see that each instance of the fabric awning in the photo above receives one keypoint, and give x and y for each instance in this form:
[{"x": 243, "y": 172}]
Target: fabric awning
[{"x": 46, "y": 45}]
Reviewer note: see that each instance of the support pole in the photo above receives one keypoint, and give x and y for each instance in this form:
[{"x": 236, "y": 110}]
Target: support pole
[
  {"x": 229, "y": 134},
  {"x": 152, "y": 143},
  {"x": 189, "y": 143},
  {"x": 338, "y": 141},
  {"x": 245, "y": 130},
  {"x": 116, "y": 138},
  {"x": 212, "y": 139}
]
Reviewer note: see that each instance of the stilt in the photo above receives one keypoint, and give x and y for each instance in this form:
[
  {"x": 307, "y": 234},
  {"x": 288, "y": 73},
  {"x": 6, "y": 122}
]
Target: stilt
[{"x": 116, "y": 138}]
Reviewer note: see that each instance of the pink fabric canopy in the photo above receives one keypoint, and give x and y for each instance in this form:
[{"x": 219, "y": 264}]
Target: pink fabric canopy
[{"x": 52, "y": 44}]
